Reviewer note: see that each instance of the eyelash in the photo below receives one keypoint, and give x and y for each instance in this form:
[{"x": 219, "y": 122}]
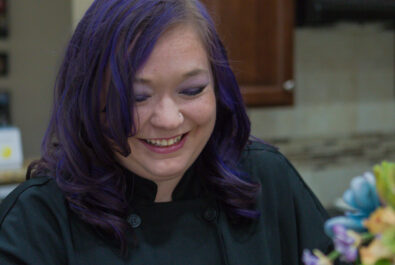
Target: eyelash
[
  {"x": 193, "y": 91},
  {"x": 188, "y": 92},
  {"x": 141, "y": 98}
]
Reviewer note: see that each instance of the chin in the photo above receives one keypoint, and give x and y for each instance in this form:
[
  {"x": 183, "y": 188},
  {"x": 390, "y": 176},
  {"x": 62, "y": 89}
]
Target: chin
[{"x": 166, "y": 170}]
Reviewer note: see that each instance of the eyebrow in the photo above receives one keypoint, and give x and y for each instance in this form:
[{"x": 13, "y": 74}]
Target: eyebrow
[{"x": 192, "y": 73}]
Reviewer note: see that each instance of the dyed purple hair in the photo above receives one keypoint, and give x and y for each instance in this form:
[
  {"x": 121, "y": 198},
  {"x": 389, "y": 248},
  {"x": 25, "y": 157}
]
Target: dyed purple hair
[{"x": 78, "y": 147}]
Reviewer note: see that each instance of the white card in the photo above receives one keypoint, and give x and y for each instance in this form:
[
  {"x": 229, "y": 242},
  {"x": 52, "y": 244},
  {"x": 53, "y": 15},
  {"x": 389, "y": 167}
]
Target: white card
[{"x": 11, "y": 156}]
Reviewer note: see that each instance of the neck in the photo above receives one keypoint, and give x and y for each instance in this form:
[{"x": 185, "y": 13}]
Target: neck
[{"x": 165, "y": 190}]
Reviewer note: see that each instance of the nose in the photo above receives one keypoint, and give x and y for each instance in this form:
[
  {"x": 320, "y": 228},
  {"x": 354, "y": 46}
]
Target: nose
[{"x": 167, "y": 114}]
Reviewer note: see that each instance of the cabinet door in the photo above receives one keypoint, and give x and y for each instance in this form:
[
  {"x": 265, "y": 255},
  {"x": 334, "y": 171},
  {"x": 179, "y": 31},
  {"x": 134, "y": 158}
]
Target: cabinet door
[{"x": 258, "y": 35}]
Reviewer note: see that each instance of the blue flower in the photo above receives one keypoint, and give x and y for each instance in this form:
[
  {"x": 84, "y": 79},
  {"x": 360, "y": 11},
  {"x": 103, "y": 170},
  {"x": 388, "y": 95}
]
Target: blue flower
[
  {"x": 363, "y": 198},
  {"x": 362, "y": 194}
]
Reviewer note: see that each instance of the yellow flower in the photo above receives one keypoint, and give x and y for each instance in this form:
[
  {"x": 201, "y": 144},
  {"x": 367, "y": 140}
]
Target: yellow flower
[
  {"x": 374, "y": 252},
  {"x": 323, "y": 260},
  {"x": 385, "y": 182},
  {"x": 380, "y": 220}
]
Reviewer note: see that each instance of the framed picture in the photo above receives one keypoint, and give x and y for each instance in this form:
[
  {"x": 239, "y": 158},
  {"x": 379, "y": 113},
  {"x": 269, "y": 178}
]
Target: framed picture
[
  {"x": 3, "y": 64},
  {"x": 5, "y": 119},
  {"x": 3, "y": 19}
]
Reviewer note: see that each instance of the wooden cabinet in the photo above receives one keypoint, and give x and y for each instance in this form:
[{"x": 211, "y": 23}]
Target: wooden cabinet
[{"x": 258, "y": 35}]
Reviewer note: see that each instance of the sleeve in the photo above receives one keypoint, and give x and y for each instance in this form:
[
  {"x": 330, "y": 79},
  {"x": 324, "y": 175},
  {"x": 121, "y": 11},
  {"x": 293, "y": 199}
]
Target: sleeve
[
  {"x": 30, "y": 231},
  {"x": 305, "y": 216},
  {"x": 309, "y": 214},
  {"x": 298, "y": 213}
]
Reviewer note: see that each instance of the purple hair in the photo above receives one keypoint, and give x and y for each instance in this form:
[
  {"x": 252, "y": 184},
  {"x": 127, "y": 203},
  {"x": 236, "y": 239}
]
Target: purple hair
[{"x": 78, "y": 147}]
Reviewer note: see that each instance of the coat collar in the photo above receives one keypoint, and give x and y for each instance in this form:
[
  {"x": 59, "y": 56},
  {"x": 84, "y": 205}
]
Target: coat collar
[{"x": 144, "y": 190}]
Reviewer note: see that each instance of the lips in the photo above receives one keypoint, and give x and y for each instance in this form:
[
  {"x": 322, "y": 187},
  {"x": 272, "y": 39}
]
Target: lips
[
  {"x": 165, "y": 145},
  {"x": 163, "y": 142}
]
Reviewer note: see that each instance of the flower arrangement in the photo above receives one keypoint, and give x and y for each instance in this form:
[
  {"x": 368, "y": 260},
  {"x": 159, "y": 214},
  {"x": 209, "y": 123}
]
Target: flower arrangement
[{"x": 365, "y": 235}]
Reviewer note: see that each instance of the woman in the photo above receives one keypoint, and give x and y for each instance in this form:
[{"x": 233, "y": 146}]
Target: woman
[{"x": 147, "y": 157}]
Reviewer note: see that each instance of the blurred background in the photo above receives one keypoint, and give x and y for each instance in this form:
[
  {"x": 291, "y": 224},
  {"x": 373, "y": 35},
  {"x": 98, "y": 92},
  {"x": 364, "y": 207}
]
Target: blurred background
[{"x": 318, "y": 78}]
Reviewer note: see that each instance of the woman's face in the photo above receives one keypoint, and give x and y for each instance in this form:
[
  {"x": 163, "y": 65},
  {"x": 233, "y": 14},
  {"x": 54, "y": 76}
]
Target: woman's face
[{"x": 175, "y": 107}]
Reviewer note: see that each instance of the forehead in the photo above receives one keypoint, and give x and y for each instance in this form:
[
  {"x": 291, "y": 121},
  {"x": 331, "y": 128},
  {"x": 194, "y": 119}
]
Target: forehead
[{"x": 179, "y": 50}]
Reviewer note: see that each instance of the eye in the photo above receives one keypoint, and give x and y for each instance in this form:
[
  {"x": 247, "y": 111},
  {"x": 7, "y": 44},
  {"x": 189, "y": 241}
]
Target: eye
[
  {"x": 141, "y": 98},
  {"x": 193, "y": 91}
]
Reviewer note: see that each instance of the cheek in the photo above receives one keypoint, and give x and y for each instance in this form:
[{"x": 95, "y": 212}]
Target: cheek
[
  {"x": 140, "y": 116},
  {"x": 202, "y": 111}
]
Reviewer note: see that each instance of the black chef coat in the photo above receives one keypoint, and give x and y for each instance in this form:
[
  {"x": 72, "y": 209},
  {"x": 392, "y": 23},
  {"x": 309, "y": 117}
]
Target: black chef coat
[{"x": 37, "y": 227}]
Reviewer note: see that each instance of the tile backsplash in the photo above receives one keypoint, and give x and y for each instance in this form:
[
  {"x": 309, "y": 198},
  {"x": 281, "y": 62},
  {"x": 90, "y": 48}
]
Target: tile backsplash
[
  {"x": 327, "y": 164},
  {"x": 344, "y": 84}
]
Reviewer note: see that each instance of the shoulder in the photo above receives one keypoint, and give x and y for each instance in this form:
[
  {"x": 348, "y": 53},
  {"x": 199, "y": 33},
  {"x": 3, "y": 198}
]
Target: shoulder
[
  {"x": 284, "y": 194},
  {"x": 35, "y": 212},
  {"x": 257, "y": 149},
  {"x": 32, "y": 195},
  {"x": 265, "y": 162}
]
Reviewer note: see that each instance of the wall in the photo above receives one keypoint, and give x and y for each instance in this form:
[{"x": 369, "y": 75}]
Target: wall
[
  {"x": 344, "y": 85},
  {"x": 343, "y": 120},
  {"x": 38, "y": 34},
  {"x": 78, "y": 8}
]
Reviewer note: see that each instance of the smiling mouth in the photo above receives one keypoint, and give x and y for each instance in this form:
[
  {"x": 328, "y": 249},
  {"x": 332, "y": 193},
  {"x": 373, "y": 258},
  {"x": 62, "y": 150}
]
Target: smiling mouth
[{"x": 164, "y": 142}]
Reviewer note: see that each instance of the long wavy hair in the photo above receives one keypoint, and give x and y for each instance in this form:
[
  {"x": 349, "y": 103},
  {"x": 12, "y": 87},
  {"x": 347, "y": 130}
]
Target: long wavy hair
[{"x": 78, "y": 150}]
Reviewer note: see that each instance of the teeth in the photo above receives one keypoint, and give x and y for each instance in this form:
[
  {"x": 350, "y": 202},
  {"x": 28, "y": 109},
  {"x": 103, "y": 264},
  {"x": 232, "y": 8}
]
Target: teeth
[{"x": 164, "y": 142}]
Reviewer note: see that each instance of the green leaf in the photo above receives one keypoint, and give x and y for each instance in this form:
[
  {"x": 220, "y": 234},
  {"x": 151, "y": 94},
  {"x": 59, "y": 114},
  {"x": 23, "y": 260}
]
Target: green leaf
[
  {"x": 383, "y": 262},
  {"x": 388, "y": 239},
  {"x": 333, "y": 255},
  {"x": 366, "y": 237},
  {"x": 385, "y": 182}
]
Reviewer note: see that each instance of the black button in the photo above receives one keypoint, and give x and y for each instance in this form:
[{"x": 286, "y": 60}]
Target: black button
[
  {"x": 134, "y": 220},
  {"x": 210, "y": 214}
]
